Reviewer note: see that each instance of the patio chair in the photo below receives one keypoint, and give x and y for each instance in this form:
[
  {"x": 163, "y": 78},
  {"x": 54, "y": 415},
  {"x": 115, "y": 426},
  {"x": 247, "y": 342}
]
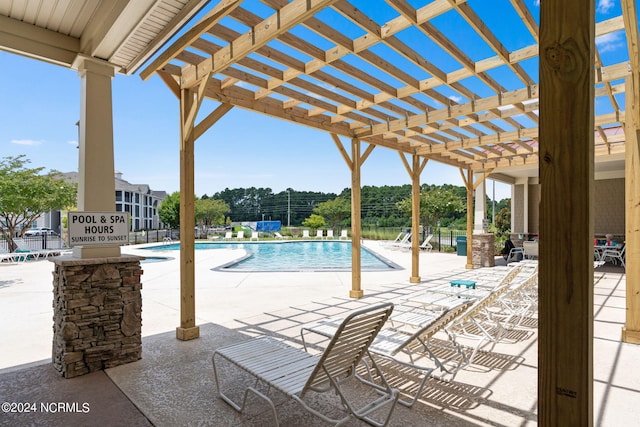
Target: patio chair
[
  {"x": 296, "y": 373},
  {"x": 478, "y": 322},
  {"x": 25, "y": 251},
  {"x": 615, "y": 255},
  {"x": 329, "y": 234},
  {"x": 520, "y": 302},
  {"x": 426, "y": 245},
  {"x": 280, "y": 236},
  {"x": 319, "y": 234},
  {"x": 12, "y": 257},
  {"x": 404, "y": 242},
  {"x": 305, "y": 234},
  {"x": 228, "y": 235},
  {"x": 405, "y": 340},
  {"x": 240, "y": 235},
  {"x": 344, "y": 235},
  {"x": 254, "y": 235}
]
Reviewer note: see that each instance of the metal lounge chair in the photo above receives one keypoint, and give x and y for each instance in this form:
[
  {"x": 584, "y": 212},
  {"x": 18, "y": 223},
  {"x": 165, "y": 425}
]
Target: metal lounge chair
[
  {"x": 405, "y": 340},
  {"x": 296, "y": 373},
  {"x": 479, "y": 323}
]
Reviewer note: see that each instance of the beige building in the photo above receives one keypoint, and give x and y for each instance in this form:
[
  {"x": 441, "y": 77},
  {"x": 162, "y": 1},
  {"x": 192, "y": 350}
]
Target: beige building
[{"x": 139, "y": 200}]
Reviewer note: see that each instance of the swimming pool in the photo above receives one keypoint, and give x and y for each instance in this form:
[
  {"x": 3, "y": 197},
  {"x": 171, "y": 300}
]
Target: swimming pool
[{"x": 293, "y": 256}]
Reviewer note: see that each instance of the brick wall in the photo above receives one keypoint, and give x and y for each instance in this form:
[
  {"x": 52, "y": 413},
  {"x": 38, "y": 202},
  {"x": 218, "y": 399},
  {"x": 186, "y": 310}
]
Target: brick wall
[
  {"x": 609, "y": 207},
  {"x": 97, "y": 308}
]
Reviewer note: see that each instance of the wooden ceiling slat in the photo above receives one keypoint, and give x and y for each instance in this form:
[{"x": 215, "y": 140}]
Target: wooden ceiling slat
[{"x": 345, "y": 85}]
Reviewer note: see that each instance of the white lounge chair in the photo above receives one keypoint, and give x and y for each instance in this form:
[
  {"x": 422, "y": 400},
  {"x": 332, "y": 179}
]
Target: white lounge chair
[
  {"x": 296, "y": 373},
  {"x": 25, "y": 251},
  {"x": 344, "y": 235},
  {"x": 254, "y": 235},
  {"x": 426, "y": 245},
  {"x": 240, "y": 235},
  {"x": 319, "y": 234},
  {"x": 615, "y": 255},
  {"x": 12, "y": 257},
  {"x": 280, "y": 236},
  {"x": 228, "y": 235},
  {"x": 404, "y": 242},
  {"x": 405, "y": 339},
  {"x": 305, "y": 234},
  {"x": 479, "y": 323},
  {"x": 329, "y": 234}
]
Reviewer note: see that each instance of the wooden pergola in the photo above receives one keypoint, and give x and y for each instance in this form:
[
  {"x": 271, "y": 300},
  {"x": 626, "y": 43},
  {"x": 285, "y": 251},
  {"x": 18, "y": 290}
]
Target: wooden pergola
[{"x": 366, "y": 72}]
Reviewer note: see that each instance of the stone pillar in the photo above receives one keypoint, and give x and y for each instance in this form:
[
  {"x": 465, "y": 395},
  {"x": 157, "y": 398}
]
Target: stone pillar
[
  {"x": 484, "y": 250},
  {"x": 97, "y": 308}
]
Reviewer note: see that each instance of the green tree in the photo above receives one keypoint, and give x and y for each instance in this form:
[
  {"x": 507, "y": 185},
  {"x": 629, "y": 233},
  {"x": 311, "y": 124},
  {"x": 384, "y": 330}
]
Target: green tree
[
  {"x": 334, "y": 211},
  {"x": 503, "y": 222},
  {"x": 26, "y": 193},
  {"x": 210, "y": 212},
  {"x": 169, "y": 210},
  {"x": 314, "y": 222},
  {"x": 435, "y": 203}
]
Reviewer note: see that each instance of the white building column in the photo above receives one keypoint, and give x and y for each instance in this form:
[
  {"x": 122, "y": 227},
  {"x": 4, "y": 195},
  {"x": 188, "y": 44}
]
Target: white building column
[
  {"x": 96, "y": 183},
  {"x": 480, "y": 208}
]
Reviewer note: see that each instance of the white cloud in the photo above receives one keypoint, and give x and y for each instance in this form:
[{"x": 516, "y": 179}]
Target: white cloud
[
  {"x": 605, "y": 6},
  {"x": 536, "y": 3},
  {"x": 30, "y": 142},
  {"x": 455, "y": 98},
  {"x": 609, "y": 42}
]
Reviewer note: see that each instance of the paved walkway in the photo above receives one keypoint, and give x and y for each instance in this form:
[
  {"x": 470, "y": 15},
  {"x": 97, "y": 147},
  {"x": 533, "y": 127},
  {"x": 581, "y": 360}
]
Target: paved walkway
[{"x": 172, "y": 385}]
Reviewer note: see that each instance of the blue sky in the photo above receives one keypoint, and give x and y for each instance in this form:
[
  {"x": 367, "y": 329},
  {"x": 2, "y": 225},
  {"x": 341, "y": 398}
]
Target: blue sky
[{"x": 40, "y": 108}]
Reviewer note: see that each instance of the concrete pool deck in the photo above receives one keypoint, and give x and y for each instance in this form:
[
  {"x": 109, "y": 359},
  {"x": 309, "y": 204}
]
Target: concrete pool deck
[{"x": 173, "y": 385}]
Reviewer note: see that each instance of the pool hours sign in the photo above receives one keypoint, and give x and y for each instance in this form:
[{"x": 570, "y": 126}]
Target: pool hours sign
[{"x": 98, "y": 228}]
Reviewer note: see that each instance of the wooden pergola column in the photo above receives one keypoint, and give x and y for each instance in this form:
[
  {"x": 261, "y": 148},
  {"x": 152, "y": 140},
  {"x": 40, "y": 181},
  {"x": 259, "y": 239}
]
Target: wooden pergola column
[
  {"x": 631, "y": 329},
  {"x": 565, "y": 350},
  {"x": 190, "y": 101},
  {"x": 356, "y": 267},
  {"x": 187, "y": 329},
  {"x": 415, "y": 170},
  {"x": 355, "y": 163}
]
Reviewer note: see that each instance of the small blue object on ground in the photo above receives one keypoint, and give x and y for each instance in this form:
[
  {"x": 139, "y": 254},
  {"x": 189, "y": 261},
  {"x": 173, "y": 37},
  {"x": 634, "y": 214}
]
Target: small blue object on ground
[{"x": 468, "y": 283}]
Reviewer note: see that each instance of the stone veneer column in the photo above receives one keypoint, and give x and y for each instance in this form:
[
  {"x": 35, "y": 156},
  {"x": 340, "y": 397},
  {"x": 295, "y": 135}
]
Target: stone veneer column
[
  {"x": 484, "y": 250},
  {"x": 97, "y": 308}
]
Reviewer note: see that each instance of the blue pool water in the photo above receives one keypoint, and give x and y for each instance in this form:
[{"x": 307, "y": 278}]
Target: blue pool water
[{"x": 293, "y": 256}]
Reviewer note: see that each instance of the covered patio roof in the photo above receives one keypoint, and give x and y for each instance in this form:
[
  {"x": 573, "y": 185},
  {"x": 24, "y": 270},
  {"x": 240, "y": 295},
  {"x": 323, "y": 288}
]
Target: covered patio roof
[{"x": 450, "y": 81}]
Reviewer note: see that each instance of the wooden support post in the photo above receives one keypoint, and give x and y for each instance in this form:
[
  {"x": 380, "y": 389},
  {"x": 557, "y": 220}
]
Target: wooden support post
[
  {"x": 356, "y": 275},
  {"x": 187, "y": 329},
  {"x": 631, "y": 329},
  {"x": 469, "y": 184},
  {"x": 565, "y": 350},
  {"x": 416, "y": 170}
]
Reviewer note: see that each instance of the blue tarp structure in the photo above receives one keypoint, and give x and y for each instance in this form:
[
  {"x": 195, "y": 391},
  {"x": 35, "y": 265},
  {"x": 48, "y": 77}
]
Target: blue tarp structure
[{"x": 268, "y": 226}]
